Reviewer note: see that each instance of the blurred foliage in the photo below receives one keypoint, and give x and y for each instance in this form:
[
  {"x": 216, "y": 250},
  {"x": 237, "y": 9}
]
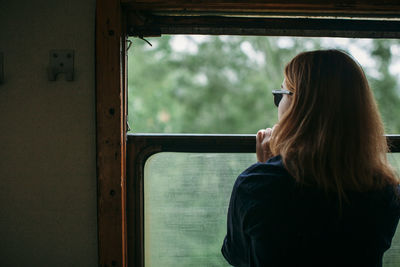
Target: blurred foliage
[
  {"x": 222, "y": 84},
  {"x": 386, "y": 86}
]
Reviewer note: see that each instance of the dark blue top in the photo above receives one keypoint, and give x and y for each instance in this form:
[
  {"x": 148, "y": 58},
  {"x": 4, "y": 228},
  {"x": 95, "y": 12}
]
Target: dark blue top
[{"x": 272, "y": 221}]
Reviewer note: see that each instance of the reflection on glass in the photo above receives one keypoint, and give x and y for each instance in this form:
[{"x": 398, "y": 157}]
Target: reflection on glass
[{"x": 186, "y": 200}]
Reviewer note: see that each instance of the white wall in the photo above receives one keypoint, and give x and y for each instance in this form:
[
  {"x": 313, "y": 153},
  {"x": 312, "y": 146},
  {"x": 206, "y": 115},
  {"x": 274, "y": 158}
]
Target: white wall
[{"x": 48, "y": 206}]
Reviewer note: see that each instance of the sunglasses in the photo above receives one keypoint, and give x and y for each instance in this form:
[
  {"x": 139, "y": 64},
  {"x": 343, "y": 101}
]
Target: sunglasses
[{"x": 278, "y": 94}]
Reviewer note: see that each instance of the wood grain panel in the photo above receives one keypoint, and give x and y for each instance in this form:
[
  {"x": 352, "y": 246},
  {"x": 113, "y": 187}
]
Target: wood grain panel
[
  {"x": 111, "y": 144},
  {"x": 310, "y": 7},
  {"x": 154, "y": 25}
]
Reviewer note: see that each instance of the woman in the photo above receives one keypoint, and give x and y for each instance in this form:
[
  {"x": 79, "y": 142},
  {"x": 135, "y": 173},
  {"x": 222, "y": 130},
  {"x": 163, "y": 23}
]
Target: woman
[{"x": 322, "y": 192}]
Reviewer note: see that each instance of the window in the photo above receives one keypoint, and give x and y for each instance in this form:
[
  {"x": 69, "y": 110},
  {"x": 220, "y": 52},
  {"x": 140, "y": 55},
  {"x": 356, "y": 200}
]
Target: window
[
  {"x": 220, "y": 85},
  {"x": 117, "y": 19},
  {"x": 185, "y": 207},
  {"x": 186, "y": 188}
]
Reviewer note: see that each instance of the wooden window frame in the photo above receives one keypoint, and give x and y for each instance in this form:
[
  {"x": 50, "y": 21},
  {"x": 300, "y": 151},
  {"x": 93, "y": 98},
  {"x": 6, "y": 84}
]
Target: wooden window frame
[{"x": 116, "y": 19}]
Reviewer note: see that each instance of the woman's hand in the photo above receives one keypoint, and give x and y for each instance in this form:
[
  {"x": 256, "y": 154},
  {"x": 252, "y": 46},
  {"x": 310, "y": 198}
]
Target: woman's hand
[{"x": 263, "y": 150}]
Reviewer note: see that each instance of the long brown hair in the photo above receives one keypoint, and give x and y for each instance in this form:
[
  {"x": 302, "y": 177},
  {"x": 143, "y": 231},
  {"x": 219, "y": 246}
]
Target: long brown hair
[{"x": 332, "y": 134}]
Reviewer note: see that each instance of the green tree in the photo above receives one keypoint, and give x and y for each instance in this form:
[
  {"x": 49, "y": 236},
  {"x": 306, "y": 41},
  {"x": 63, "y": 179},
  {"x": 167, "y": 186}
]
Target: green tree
[
  {"x": 223, "y": 88},
  {"x": 386, "y": 86}
]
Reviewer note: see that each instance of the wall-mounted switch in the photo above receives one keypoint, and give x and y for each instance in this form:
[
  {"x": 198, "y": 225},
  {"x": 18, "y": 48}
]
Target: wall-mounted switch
[
  {"x": 1, "y": 68},
  {"x": 61, "y": 61}
]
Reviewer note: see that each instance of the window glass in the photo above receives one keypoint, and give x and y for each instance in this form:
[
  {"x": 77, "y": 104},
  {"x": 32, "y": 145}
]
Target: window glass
[
  {"x": 223, "y": 84},
  {"x": 392, "y": 256},
  {"x": 394, "y": 159},
  {"x": 186, "y": 197}
]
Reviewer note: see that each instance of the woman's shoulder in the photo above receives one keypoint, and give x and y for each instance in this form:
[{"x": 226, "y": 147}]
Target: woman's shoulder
[
  {"x": 271, "y": 168},
  {"x": 264, "y": 177},
  {"x": 389, "y": 196}
]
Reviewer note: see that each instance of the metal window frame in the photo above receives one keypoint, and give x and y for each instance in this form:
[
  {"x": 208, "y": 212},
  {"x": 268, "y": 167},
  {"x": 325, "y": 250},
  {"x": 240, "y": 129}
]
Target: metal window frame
[{"x": 142, "y": 146}]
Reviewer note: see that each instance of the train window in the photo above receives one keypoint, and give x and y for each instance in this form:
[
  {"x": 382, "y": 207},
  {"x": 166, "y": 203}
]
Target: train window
[
  {"x": 392, "y": 256},
  {"x": 222, "y": 84},
  {"x": 183, "y": 91},
  {"x": 185, "y": 206},
  {"x": 186, "y": 197},
  {"x": 197, "y": 96}
]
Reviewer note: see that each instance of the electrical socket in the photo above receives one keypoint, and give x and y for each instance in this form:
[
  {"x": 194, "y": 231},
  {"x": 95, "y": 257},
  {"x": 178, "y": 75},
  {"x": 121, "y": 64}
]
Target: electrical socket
[{"x": 61, "y": 61}]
